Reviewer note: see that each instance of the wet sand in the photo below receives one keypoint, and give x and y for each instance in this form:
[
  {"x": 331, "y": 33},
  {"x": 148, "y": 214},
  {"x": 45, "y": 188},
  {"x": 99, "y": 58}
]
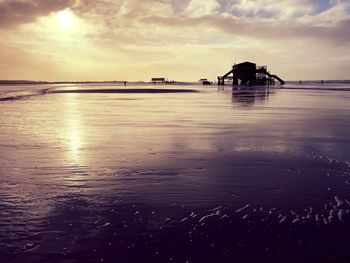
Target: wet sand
[
  {"x": 125, "y": 90},
  {"x": 212, "y": 176}
]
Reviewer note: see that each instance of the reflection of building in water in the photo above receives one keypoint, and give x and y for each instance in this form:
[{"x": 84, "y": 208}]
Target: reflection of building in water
[{"x": 248, "y": 96}]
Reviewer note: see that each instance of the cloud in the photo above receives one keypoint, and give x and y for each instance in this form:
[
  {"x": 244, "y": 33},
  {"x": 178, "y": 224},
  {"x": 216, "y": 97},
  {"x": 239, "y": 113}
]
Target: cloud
[
  {"x": 147, "y": 20},
  {"x": 179, "y": 6},
  {"x": 157, "y": 36},
  {"x": 154, "y": 21},
  {"x": 14, "y": 12},
  {"x": 266, "y": 9}
]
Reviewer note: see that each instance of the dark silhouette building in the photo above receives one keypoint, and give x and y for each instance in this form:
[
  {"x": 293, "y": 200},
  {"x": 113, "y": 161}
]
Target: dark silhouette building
[
  {"x": 248, "y": 73},
  {"x": 159, "y": 80}
]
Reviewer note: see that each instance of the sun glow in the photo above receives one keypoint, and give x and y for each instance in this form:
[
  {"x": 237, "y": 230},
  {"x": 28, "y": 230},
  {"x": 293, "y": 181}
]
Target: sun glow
[{"x": 65, "y": 19}]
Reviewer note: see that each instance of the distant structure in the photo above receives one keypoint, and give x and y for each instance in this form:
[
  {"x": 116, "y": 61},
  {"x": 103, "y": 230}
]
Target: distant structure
[
  {"x": 158, "y": 80},
  {"x": 205, "y": 81},
  {"x": 248, "y": 73}
]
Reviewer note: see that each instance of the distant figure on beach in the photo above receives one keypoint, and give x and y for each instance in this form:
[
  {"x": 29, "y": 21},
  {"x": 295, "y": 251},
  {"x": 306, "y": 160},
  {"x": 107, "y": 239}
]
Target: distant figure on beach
[
  {"x": 300, "y": 82},
  {"x": 124, "y": 83},
  {"x": 322, "y": 82}
]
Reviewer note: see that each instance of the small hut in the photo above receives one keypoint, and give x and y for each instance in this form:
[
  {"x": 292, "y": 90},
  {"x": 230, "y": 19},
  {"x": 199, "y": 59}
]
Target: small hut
[{"x": 158, "y": 80}]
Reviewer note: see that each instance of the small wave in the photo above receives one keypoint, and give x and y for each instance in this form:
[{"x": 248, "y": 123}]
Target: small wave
[
  {"x": 12, "y": 96},
  {"x": 22, "y": 95}
]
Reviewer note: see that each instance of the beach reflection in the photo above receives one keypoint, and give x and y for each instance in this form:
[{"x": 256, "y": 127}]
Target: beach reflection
[
  {"x": 249, "y": 96},
  {"x": 92, "y": 171},
  {"x": 73, "y": 129}
]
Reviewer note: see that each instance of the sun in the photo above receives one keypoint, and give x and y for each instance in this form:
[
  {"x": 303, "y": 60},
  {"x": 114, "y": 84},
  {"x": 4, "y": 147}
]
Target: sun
[{"x": 65, "y": 19}]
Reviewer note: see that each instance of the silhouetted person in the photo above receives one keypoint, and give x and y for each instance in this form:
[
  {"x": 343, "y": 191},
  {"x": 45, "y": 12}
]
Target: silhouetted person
[
  {"x": 124, "y": 83},
  {"x": 300, "y": 82},
  {"x": 322, "y": 82}
]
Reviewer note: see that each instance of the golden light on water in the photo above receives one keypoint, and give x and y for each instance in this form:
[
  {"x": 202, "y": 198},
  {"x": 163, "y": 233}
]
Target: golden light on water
[
  {"x": 73, "y": 129},
  {"x": 74, "y": 140},
  {"x": 65, "y": 19}
]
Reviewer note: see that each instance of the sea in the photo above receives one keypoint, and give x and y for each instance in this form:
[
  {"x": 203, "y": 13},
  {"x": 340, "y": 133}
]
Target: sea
[{"x": 98, "y": 172}]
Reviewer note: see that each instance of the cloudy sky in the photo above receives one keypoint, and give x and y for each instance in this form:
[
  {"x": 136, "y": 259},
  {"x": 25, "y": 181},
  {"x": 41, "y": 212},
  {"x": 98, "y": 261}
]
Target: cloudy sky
[{"x": 177, "y": 39}]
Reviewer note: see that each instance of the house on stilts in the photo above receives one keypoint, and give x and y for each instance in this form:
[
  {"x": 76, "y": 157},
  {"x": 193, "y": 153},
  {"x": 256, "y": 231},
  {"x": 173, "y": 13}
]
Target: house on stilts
[{"x": 248, "y": 73}]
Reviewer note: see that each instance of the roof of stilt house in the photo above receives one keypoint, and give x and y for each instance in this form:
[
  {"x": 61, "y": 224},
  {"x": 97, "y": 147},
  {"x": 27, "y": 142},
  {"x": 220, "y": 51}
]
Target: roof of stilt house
[{"x": 245, "y": 64}]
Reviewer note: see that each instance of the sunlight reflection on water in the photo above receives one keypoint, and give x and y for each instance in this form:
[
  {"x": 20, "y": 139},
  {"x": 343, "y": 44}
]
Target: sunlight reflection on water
[{"x": 73, "y": 128}]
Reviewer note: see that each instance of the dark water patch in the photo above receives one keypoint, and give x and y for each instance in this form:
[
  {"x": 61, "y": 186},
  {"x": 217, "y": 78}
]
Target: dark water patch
[
  {"x": 83, "y": 227},
  {"x": 176, "y": 233}
]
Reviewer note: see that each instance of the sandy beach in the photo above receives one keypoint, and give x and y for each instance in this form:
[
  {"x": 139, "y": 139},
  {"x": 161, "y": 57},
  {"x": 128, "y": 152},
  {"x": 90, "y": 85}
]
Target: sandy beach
[{"x": 93, "y": 173}]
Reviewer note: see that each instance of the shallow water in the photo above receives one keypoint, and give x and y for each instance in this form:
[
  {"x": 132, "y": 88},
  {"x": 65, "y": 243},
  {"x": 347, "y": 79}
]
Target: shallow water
[{"x": 205, "y": 176}]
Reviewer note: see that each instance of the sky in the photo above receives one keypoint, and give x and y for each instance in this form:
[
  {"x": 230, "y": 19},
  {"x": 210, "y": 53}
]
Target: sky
[{"x": 184, "y": 40}]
